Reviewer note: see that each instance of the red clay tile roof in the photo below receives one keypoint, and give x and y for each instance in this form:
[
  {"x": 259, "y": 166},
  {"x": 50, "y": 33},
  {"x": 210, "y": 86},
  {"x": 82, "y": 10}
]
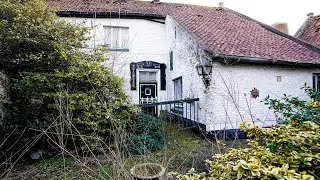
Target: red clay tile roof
[
  {"x": 218, "y": 30},
  {"x": 310, "y": 31}
]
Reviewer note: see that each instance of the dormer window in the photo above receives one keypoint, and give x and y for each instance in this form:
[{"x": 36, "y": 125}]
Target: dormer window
[{"x": 117, "y": 38}]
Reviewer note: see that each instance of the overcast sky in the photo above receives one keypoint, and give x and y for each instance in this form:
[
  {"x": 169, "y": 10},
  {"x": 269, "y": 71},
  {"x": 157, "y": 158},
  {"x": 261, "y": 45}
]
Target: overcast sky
[{"x": 294, "y": 12}]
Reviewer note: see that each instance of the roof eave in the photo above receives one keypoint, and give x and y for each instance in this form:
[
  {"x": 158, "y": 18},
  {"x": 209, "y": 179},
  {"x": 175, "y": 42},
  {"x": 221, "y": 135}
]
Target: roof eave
[
  {"x": 231, "y": 59},
  {"x": 108, "y": 14}
]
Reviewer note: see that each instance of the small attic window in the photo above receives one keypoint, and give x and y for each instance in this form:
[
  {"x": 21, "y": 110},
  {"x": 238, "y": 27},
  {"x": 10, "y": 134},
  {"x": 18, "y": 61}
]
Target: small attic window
[
  {"x": 318, "y": 29},
  {"x": 279, "y": 78}
]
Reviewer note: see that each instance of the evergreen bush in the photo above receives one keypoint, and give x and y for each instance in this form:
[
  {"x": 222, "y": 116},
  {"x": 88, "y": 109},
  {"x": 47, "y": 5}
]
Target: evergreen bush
[
  {"x": 59, "y": 92},
  {"x": 296, "y": 108},
  {"x": 290, "y": 151},
  {"x": 147, "y": 135}
]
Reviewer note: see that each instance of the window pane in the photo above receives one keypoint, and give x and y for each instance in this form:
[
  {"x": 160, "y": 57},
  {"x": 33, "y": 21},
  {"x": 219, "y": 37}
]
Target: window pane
[
  {"x": 115, "y": 38},
  {"x": 143, "y": 76},
  {"x": 314, "y": 82},
  {"x": 171, "y": 60},
  {"x": 125, "y": 38},
  {"x": 178, "y": 89},
  {"x": 107, "y": 36},
  {"x": 318, "y": 83},
  {"x": 152, "y": 77}
]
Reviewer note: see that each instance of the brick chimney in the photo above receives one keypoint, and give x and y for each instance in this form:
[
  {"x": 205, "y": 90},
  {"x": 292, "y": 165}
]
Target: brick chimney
[{"x": 283, "y": 27}]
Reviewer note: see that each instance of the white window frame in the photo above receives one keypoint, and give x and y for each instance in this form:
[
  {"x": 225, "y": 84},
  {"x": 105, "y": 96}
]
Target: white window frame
[{"x": 123, "y": 39}]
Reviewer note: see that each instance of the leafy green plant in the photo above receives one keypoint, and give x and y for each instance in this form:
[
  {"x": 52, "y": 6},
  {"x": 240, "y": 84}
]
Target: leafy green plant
[
  {"x": 147, "y": 135},
  {"x": 295, "y": 154},
  {"x": 54, "y": 81},
  {"x": 105, "y": 172},
  {"x": 295, "y": 108},
  {"x": 56, "y": 162}
]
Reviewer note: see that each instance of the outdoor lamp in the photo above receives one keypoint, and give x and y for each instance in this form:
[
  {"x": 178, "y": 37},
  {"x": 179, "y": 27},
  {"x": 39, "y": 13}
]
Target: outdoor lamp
[{"x": 205, "y": 69}]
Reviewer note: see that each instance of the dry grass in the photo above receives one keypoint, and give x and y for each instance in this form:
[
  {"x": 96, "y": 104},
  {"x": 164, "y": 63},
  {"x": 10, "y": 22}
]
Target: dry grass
[{"x": 183, "y": 150}]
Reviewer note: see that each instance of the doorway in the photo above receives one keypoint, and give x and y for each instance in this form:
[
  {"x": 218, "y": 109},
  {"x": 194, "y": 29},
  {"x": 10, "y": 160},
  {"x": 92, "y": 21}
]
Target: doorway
[
  {"x": 148, "y": 94},
  {"x": 148, "y": 90}
]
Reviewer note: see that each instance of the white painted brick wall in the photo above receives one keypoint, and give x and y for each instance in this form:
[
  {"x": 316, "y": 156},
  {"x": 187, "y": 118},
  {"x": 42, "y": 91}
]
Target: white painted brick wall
[
  {"x": 147, "y": 42},
  {"x": 232, "y": 98},
  {"x": 227, "y": 101},
  {"x": 186, "y": 55}
]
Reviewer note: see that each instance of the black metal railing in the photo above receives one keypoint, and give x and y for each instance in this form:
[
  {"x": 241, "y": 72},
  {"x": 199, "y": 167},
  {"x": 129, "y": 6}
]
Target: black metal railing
[{"x": 186, "y": 110}]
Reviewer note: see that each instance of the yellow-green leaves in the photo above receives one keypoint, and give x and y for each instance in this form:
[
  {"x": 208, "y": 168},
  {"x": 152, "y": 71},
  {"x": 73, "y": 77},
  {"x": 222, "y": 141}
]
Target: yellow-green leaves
[
  {"x": 285, "y": 152},
  {"x": 307, "y": 177}
]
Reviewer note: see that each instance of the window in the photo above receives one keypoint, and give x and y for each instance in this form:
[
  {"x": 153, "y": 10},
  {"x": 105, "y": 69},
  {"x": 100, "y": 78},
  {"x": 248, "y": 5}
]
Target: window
[
  {"x": 316, "y": 82},
  {"x": 279, "y": 78},
  {"x": 171, "y": 60},
  {"x": 145, "y": 76},
  {"x": 117, "y": 38},
  {"x": 177, "y": 88}
]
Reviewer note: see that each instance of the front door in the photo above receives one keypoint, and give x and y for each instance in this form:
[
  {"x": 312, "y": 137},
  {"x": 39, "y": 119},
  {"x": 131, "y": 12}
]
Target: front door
[{"x": 148, "y": 94}]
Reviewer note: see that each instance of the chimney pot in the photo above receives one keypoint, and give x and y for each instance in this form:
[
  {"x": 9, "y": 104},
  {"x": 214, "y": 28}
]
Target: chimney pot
[
  {"x": 281, "y": 27},
  {"x": 310, "y": 14}
]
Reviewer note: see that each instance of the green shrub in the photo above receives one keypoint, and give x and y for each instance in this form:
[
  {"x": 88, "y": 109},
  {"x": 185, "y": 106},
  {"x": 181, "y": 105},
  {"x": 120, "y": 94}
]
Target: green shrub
[
  {"x": 105, "y": 172},
  {"x": 84, "y": 96},
  {"x": 295, "y": 108},
  {"x": 147, "y": 135},
  {"x": 54, "y": 82},
  {"x": 286, "y": 152},
  {"x": 56, "y": 163}
]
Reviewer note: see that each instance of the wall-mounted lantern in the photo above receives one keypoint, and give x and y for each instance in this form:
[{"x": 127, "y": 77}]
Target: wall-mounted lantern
[{"x": 205, "y": 69}]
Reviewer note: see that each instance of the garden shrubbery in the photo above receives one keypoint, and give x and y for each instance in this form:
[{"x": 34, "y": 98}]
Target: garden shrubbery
[
  {"x": 147, "y": 135},
  {"x": 60, "y": 95},
  {"x": 296, "y": 108},
  {"x": 286, "y": 152}
]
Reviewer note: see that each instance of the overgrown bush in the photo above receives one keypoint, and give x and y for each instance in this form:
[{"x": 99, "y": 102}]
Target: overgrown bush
[
  {"x": 295, "y": 108},
  {"x": 286, "y": 152},
  {"x": 58, "y": 92},
  {"x": 147, "y": 135}
]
